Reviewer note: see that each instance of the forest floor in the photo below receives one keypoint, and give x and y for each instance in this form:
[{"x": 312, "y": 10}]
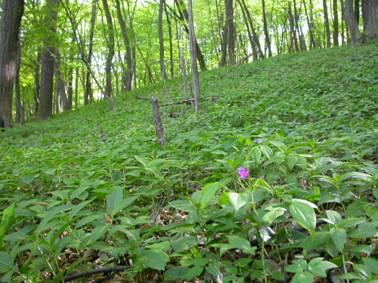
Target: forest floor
[{"x": 92, "y": 188}]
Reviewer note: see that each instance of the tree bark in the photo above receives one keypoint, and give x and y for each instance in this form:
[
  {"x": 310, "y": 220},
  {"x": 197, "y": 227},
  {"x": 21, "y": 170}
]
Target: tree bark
[
  {"x": 370, "y": 15},
  {"x": 354, "y": 32},
  {"x": 193, "y": 56},
  {"x": 228, "y": 44},
  {"x": 159, "y": 128},
  {"x": 266, "y": 31},
  {"x": 12, "y": 11},
  {"x": 47, "y": 61},
  {"x": 20, "y": 113},
  {"x": 109, "y": 59},
  {"x": 126, "y": 41},
  {"x": 326, "y": 24},
  {"x": 335, "y": 24},
  {"x": 161, "y": 41},
  {"x": 184, "y": 17}
]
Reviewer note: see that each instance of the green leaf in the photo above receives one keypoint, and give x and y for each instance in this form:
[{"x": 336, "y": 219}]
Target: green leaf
[
  {"x": 208, "y": 193},
  {"x": 319, "y": 267},
  {"x": 303, "y": 277},
  {"x": 6, "y": 262},
  {"x": 371, "y": 265},
  {"x": 182, "y": 273},
  {"x": 237, "y": 200},
  {"x": 114, "y": 201},
  {"x": 297, "y": 266},
  {"x": 303, "y": 213},
  {"x": 273, "y": 214},
  {"x": 339, "y": 238},
  {"x": 183, "y": 205},
  {"x": 7, "y": 220},
  {"x": 237, "y": 242},
  {"x": 291, "y": 161},
  {"x": 333, "y": 216},
  {"x": 153, "y": 259},
  {"x": 184, "y": 244}
]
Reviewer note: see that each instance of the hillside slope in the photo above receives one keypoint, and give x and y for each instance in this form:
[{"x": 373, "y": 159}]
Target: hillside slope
[{"x": 92, "y": 188}]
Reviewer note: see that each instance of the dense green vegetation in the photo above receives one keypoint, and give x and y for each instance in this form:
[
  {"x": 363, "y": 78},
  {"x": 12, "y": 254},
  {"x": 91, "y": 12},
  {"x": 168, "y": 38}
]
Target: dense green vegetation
[{"x": 93, "y": 188}]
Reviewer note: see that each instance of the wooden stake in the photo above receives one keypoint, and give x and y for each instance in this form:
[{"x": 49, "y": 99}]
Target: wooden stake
[{"x": 159, "y": 129}]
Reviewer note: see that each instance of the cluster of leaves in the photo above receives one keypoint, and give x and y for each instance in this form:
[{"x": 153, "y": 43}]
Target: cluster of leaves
[{"x": 92, "y": 188}]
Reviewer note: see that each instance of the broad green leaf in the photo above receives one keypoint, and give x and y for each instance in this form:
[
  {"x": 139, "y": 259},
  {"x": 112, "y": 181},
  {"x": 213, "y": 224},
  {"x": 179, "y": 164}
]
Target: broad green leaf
[
  {"x": 114, "y": 201},
  {"x": 208, "y": 193},
  {"x": 273, "y": 214},
  {"x": 184, "y": 243},
  {"x": 339, "y": 237},
  {"x": 183, "y": 205},
  {"x": 237, "y": 242},
  {"x": 303, "y": 213},
  {"x": 6, "y": 221},
  {"x": 297, "y": 266},
  {"x": 333, "y": 216},
  {"x": 6, "y": 262},
  {"x": 153, "y": 259},
  {"x": 182, "y": 273},
  {"x": 237, "y": 200},
  {"x": 303, "y": 277},
  {"x": 319, "y": 267}
]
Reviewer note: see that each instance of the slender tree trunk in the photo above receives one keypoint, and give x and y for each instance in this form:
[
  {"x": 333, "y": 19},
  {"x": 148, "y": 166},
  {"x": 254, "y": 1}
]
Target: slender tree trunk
[
  {"x": 12, "y": 11},
  {"x": 254, "y": 34},
  {"x": 47, "y": 61},
  {"x": 184, "y": 17},
  {"x": 161, "y": 41},
  {"x": 228, "y": 44},
  {"x": 109, "y": 59},
  {"x": 326, "y": 24},
  {"x": 299, "y": 30},
  {"x": 354, "y": 32},
  {"x": 171, "y": 70},
  {"x": 342, "y": 22},
  {"x": 37, "y": 81},
  {"x": 310, "y": 26},
  {"x": 20, "y": 113},
  {"x": 335, "y": 24},
  {"x": 266, "y": 32},
  {"x": 193, "y": 56},
  {"x": 88, "y": 92}
]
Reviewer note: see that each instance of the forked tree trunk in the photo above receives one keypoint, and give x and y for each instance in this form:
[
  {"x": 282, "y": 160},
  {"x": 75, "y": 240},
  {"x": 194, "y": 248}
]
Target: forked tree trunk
[
  {"x": 354, "y": 32},
  {"x": 12, "y": 11}
]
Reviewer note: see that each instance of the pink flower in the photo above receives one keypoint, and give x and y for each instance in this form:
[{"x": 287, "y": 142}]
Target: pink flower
[{"x": 243, "y": 173}]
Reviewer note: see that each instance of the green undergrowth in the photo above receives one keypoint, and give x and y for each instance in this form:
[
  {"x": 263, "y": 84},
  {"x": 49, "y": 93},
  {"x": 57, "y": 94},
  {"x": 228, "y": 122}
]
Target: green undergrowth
[{"x": 93, "y": 189}]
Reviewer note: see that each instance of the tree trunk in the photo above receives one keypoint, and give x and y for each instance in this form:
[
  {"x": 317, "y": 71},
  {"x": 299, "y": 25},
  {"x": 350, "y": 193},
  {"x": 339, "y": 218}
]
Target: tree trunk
[
  {"x": 370, "y": 15},
  {"x": 126, "y": 41},
  {"x": 354, "y": 32},
  {"x": 20, "y": 114},
  {"x": 161, "y": 41},
  {"x": 12, "y": 11},
  {"x": 299, "y": 30},
  {"x": 250, "y": 21},
  {"x": 266, "y": 32},
  {"x": 47, "y": 62},
  {"x": 310, "y": 26},
  {"x": 109, "y": 59},
  {"x": 170, "y": 41},
  {"x": 193, "y": 56},
  {"x": 184, "y": 17},
  {"x": 88, "y": 93},
  {"x": 335, "y": 24},
  {"x": 228, "y": 44},
  {"x": 326, "y": 24}
]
